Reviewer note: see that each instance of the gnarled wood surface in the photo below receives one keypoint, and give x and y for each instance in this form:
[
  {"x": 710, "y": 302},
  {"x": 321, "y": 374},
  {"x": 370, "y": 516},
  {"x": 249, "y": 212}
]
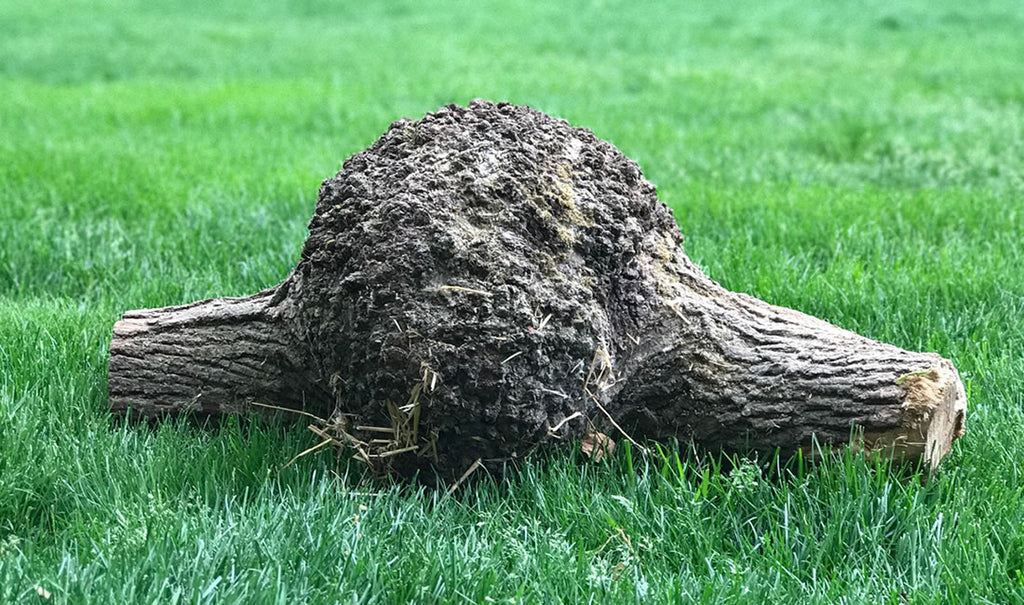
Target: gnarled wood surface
[{"x": 487, "y": 279}]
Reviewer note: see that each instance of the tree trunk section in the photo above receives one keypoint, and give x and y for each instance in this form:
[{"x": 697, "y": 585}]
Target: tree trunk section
[
  {"x": 737, "y": 373},
  {"x": 210, "y": 357},
  {"x": 489, "y": 279}
]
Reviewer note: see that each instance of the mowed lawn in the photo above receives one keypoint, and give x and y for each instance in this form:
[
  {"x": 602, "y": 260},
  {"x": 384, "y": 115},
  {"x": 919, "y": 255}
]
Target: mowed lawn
[{"x": 859, "y": 161}]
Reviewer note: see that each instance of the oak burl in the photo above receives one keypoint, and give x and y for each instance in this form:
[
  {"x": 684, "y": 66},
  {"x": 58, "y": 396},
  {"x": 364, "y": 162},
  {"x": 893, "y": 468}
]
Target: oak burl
[{"x": 488, "y": 279}]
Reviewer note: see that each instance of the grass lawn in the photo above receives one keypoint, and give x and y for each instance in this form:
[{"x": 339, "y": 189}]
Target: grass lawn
[{"x": 859, "y": 161}]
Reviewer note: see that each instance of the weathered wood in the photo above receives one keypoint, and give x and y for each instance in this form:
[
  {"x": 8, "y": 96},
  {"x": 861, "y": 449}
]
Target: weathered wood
[
  {"x": 212, "y": 357},
  {"x": 488, "y": 279},
  {"x": 733, "y": 371}
]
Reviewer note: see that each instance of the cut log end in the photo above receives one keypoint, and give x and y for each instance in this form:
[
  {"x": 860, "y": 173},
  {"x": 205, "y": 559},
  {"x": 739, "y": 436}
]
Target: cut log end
[{"x": 934, "y": 409}]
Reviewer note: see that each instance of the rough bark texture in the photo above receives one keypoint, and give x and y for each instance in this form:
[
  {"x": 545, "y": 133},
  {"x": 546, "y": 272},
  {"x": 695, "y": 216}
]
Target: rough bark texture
[{"x": 494, "y": 272}]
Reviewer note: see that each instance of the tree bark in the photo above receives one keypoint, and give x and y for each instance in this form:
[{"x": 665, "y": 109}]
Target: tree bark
[
  {"x": 211, "y": 357},
  {"x": 735, "y": 372},
  {"x": 488, "y": 279}
]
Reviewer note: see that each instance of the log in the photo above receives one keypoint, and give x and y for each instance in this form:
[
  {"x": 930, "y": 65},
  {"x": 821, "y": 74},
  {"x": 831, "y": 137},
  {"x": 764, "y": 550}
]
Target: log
[{"x": 488, "y": 279}]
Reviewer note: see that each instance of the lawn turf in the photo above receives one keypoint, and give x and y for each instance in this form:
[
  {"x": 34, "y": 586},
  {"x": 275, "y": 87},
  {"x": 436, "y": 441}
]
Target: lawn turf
[{"x": 860, "y": 161}]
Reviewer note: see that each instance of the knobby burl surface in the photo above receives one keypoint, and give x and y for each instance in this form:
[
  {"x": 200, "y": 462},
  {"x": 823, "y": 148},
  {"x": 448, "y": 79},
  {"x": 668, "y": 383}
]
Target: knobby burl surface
[{"x": 498, "y": 272}]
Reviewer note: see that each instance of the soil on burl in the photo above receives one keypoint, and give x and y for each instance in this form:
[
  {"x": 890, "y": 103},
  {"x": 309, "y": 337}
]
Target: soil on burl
[{"x": 488, "y": 254}]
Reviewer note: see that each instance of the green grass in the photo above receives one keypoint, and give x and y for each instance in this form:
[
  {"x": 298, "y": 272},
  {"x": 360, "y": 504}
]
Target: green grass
[{"x": 860, "y": 161}]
